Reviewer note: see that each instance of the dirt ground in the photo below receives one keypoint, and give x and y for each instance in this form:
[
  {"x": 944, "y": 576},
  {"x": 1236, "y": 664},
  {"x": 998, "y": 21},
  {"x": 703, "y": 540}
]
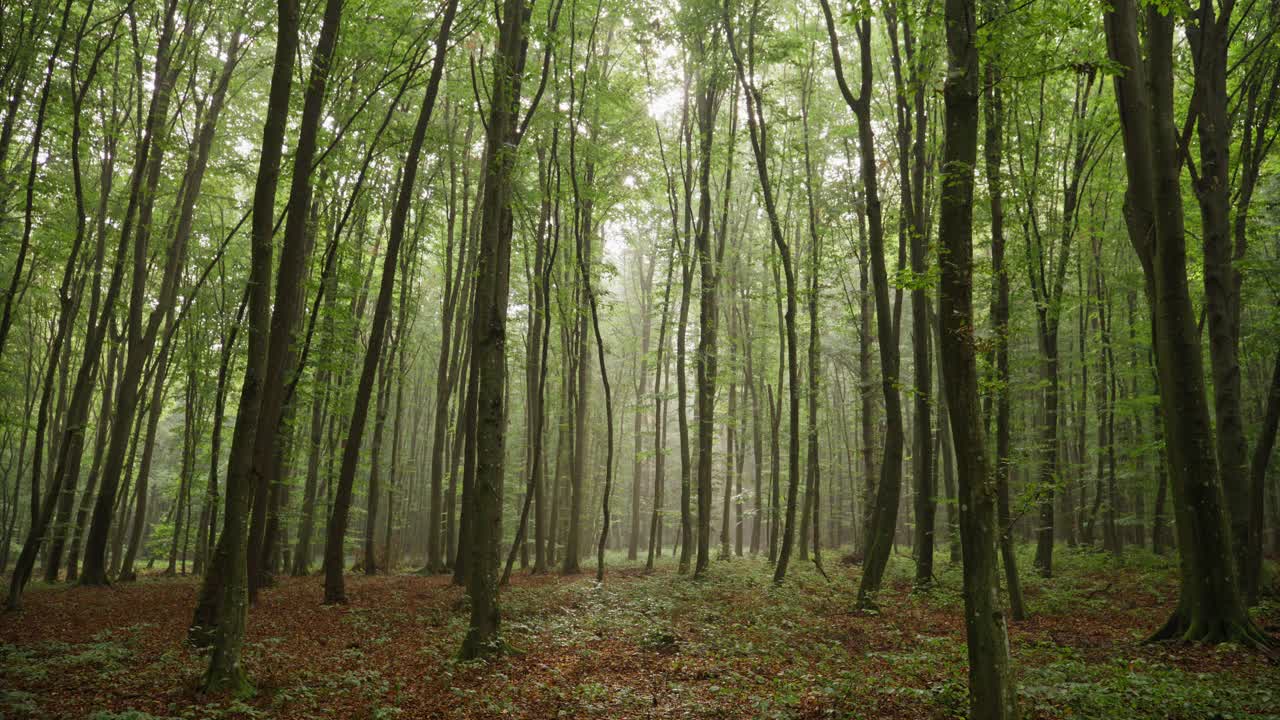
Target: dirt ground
[{"x": 653, "y": 646}]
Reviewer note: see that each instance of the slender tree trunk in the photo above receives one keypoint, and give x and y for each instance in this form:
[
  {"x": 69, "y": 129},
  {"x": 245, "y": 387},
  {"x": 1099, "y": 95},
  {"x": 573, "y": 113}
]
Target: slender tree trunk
[
  {"x": 209, "y": 516},
  {"x": 319, "y": 407},
  {"x": 813, "y": 480},
  {"x": 869, "y": 412},
  {"x": 637, "y": 427},
  {"x": 581, "y": 411},
  {"x": 730, "y": 455},
  {"x": 187, "y": 466},
  {"x": 706, "y": 103},
  {"x": 884, "y": 516},
  {"x": 1258, "y": 482},
  {"x": 374, "y": 488},
  {"x": 912, "y": 223},
  {"x": 121, "y": 507},
  {"x": 334, "y": 585},
  {"x": 536, "y": 369},
  {"x": 758, "y": 130},
  {"x": 489, "y": 331},
  {"x": 538, "y": 409},
  {"x": 757, "y": 444},
  {"x": 221, "y": 612},
  {"x": 445, "y": 369},
  {"x": 99, "y": 446},
  {"x": 992, "y": 694},
  {"x": 661, "y": 385},
  {"x": 685, "y": 540},
  {"x": 1159, "y": 530},
  {"x": 154, "y": 412},
  {"x": 993, "y": 107}
]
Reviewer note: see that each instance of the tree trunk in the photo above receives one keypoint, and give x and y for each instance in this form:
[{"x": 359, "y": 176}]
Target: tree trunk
[
  {"x": 992, "y": 695},
  {"x": 993, "y": 107},
  {"x": 223, "y": 603},
  {"x": 757, "y": 438},
  {"x": 334, "y": 585},
  {"x": 295, "y": 254},
  {"x": 758, "y": 129},
  {"x": 154, "y": 412},
  {"x": 637, "y": 427},
  {"x": 539, "y": 340},
  {"x": 685, "y": 540},
  {"x": 1209, "y": 37},
  {"x": 489, "y": 331},
  {"x": 99, "y": 446},
  {"x": 374, "y": 487},
  {"x": 884, "y": 517},
  {"x": 1210, "y": 607},
  {"x": 911, "y": 162},
  {"x": 446, "y": 371},
  {"x": 1258, "y": 483},
  {"x": 813, "y": 480},
  {"x": 706, "y": 103},
  {"x": 206, "y": 539}
]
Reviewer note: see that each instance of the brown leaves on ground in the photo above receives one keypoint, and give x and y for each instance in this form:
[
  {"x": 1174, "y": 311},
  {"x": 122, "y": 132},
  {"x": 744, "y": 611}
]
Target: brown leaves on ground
[{"x": 640, "y": 647}]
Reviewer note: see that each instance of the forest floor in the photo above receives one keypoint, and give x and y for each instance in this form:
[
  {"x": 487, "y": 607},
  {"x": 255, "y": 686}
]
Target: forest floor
[{"x": 733, "y": 645}]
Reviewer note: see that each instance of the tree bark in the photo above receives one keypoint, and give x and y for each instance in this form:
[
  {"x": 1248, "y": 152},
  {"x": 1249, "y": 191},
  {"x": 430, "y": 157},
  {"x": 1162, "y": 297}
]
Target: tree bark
[
  {"x": 992, "y": 695},
  {"x": 884, "y": 515},
  {"x": 757, "y": 126},
  {"x": 993, "y": 107},
  {"x": 221, "y": 611},
  {"x": 1262, "y": 450},
  {"x": 637, "y": 426},
  {"x": 489, "y": 330},
  {"x": 1210, "y": 607}
]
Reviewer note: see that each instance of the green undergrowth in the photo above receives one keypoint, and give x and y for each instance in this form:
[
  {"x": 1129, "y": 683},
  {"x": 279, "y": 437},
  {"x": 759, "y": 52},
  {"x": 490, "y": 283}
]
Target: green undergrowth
[
  {"x": 733, "y": 644},
  {"x": 1062, "y": 681}
]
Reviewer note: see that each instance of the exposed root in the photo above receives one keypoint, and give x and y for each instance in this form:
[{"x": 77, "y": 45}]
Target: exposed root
[
  {"x": 867, "y": 604},
  {"x": 474, "y": 650},
  {"x": 235, "y": 683},
  {"x": 1178, "y": 628}
]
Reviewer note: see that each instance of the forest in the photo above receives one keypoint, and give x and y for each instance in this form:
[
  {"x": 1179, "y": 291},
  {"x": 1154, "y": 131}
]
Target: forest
[{"x": 644, "y": 359}]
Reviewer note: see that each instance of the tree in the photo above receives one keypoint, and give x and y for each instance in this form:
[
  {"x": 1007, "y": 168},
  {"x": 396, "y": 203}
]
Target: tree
[
  {"x": 991, "y": 687},
  {"x": 884, "y": 516},
  {"x": 758, "y": 129},
  {"x": 911, "y": 168},
  {"x": 993, "y": 149},
  {"x": 489, "y": 326},
  {"x": 334, "y": 587},
  {"x": 220, "y": 617},
  {"x": 1210, "y": 607}
]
